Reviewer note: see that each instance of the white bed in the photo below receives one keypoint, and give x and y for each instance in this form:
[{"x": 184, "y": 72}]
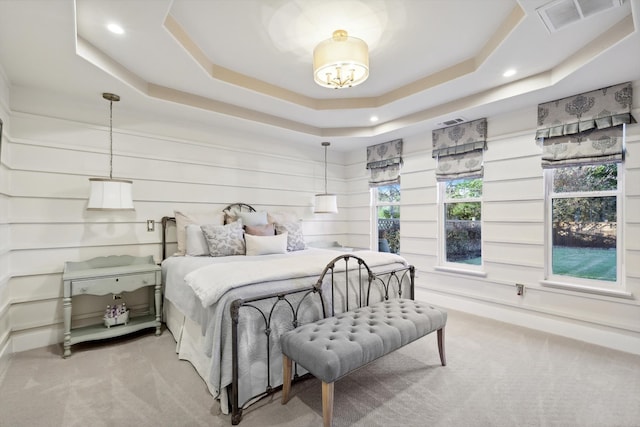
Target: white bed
[{"x": 198, "y": 294}]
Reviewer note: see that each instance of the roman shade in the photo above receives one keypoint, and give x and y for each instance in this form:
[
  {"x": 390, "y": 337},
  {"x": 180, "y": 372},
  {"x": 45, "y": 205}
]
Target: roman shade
[
  {"x": 384, "y": 161},
  {"x": 586, "y": 128},
  {"x": 459, "y": 149}
]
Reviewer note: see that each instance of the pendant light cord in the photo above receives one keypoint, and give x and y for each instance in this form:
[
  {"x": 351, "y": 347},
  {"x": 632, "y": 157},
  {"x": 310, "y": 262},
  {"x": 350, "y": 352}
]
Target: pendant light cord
[
  {"x": 325, "y": 169},
  {"x": 325, "y": 145},
  {"x": 110, "y": 139},
  {"x": 111, "y": 97}
]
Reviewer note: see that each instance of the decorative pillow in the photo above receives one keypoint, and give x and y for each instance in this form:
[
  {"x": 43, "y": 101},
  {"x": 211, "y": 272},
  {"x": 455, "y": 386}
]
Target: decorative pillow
[
  {"x": 295, "y": 240},
  {"x": 196, "y": 242},
  {"x": 281, "y": 217},
  {"x": 225, "y": 240},
  {"x": 260, "y": 230},
  {"x": 253, "y": 218},
  {"x": 183, "y": 219},
  {"x": 264, "y": 245}
]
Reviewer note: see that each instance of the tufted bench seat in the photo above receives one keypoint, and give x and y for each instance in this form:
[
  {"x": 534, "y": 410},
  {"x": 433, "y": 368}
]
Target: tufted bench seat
[{"x": 333, "y": 347}]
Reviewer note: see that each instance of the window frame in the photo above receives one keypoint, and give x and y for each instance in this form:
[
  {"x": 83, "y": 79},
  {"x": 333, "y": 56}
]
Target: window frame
[
  {"x": 442, "y": 232},
  {"x": 573, "y": 282},
  {"x": 375, "y": 204}
]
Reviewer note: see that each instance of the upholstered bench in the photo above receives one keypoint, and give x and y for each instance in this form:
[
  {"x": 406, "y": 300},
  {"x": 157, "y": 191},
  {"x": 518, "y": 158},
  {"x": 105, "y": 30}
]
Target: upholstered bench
[{"x": 333, "y": 347}]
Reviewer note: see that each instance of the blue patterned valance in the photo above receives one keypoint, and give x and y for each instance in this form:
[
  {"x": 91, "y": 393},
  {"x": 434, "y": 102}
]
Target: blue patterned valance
[
  {"x": 585, "y": 128},
  {"x": 384, "y": 161},
  {"x": 459, "y": 150}
]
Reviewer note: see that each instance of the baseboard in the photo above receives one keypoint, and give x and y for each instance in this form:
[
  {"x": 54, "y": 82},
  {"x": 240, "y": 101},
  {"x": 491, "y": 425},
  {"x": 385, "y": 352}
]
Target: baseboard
[
  {"x": 626, "y": 341},
  {"x": 5, "y": 337},
  {"x": 5, "y": 353},
  {"x": 29, "y": 339}
]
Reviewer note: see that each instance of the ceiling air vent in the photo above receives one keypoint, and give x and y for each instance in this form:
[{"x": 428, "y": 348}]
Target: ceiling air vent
[
  {"x": 452, "y": 122},
  {"x": 559, "y": 13}
]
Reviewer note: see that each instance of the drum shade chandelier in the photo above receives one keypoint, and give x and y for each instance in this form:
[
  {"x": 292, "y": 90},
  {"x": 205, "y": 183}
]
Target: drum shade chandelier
[
  {"x": 110, "y": 194},
  {"x": 325, "y": 203},
  {"x": 341, "y": 61}
]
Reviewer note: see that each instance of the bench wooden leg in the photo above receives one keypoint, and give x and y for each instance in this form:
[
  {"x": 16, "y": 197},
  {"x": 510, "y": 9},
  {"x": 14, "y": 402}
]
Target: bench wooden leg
[
  {"x": 443, "y": 358},
  {"x": 286, "y": 378},
  {"x": 327, "y": 404}
]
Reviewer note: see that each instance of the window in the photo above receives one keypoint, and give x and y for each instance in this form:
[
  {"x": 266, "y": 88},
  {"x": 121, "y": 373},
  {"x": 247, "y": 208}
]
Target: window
[
  {"x": 387, "y": 215},
  {"x": 462, "y": 221},
  {"x": 584, "y": 204}
]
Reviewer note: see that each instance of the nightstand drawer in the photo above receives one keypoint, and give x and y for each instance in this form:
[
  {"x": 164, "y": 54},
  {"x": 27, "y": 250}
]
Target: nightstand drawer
[{"x": 113, "y": 284}]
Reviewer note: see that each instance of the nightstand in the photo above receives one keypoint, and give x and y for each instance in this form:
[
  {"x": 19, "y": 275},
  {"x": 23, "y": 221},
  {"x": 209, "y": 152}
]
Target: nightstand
[{"x": 111, "y": 275}]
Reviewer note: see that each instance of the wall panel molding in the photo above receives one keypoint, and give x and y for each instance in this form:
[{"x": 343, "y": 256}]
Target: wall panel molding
[
  {"x": 513, "y": 237},
  {"x": 49, "y": 162}
]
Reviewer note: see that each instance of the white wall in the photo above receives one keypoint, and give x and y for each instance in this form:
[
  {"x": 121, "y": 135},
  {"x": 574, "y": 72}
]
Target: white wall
[
  {"x": 5, "y": 326},
  {"x": 513, "y": 237},
  {"x": 49, "y": 161},
  {"x": 46, "y": 163}
]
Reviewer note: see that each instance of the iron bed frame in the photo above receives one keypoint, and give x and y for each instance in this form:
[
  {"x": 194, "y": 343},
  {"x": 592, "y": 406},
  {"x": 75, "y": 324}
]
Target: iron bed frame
[{"x": 293, "y": 301}]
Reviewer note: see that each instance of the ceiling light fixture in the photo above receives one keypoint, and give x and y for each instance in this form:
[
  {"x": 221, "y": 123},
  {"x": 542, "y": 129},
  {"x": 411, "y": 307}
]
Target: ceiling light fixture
[
  {"x": 110, "y": 194},
  {"x": 341, "y": 61},
  {"x": 510, "y": 72},
  {"x": 325, "y": 203}
]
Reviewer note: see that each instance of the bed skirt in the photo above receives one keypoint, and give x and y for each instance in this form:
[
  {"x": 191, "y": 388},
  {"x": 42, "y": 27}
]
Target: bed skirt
[{"x": 189, "y": 344}]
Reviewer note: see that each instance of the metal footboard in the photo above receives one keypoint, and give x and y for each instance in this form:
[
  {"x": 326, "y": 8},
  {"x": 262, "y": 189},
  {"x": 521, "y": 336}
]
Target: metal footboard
[
  {"x": 286, "y": 300},
  {"x": 322, "y": 294}
]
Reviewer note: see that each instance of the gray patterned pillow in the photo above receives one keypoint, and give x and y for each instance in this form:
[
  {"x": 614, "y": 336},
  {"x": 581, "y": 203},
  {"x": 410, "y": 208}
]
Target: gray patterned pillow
[
  {"x": 295, "y": 239},
  {"x": 224, "y": 240}
]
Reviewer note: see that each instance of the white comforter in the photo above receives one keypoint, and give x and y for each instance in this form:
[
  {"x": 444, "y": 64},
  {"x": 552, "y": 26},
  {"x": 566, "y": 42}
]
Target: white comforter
[
  {"x": 211, "y": 282},
  {"x": 226, "y": 279}
]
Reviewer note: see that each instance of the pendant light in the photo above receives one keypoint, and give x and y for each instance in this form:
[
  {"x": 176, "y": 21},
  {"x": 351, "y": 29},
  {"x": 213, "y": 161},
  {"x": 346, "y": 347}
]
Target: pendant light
[
  {"x": 110, "y": 194},
  {"x": 325, "y": 203}
]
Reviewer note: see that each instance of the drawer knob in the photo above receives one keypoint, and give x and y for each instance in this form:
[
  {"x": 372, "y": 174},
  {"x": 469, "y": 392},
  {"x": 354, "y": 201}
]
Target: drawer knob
[
  {"x": 117, "y": 279},
  {"x": 84, "y": 289}
]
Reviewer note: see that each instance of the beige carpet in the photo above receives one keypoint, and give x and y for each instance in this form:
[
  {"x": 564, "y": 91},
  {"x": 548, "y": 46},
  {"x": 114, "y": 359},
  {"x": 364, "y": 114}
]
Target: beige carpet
[{"x": 497, "y": 375}]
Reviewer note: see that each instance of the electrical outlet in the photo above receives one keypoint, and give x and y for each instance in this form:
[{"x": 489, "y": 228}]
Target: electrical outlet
[
  {"x": 151, "y": 225},
  {"x": 519, "y": 289}
]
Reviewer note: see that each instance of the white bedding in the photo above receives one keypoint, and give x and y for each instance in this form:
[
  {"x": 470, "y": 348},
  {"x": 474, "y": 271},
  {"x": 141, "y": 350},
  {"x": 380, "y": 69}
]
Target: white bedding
[
  {"x": 211, "y": 282},
  {"x": 176, "y": 268},
  {"x": 215, "y": 282}
]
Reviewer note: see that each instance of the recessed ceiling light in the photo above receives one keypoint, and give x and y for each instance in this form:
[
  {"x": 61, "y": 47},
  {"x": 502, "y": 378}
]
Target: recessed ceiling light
[
  {"x": 373, "y": 119},
  {"x": 115, "y": 28},
  {"x": 510, "y": 72}
]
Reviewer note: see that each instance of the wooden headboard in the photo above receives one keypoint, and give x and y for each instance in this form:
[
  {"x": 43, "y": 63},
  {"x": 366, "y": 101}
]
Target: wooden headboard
[{"x": 168, "y": 221}]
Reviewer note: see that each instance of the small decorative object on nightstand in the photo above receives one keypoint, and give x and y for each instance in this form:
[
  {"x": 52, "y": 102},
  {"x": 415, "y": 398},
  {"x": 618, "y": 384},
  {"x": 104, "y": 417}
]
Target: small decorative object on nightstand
[{"x": 111, "y": 275}]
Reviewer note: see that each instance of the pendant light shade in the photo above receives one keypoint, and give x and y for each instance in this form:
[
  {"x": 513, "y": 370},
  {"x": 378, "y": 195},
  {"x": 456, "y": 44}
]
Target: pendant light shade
[
  {"x": 109, "y": 193},
  {"x": 325, "y": 203}
]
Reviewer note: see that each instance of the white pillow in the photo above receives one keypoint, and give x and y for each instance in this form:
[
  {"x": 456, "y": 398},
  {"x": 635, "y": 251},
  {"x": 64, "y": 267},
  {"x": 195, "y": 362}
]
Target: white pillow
[
  {"x": 183, "y": 219},
  {"x": 265, "y": 245},
  {"x": 252, "y": 218},
  {"x": 196, "y": 242}
]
